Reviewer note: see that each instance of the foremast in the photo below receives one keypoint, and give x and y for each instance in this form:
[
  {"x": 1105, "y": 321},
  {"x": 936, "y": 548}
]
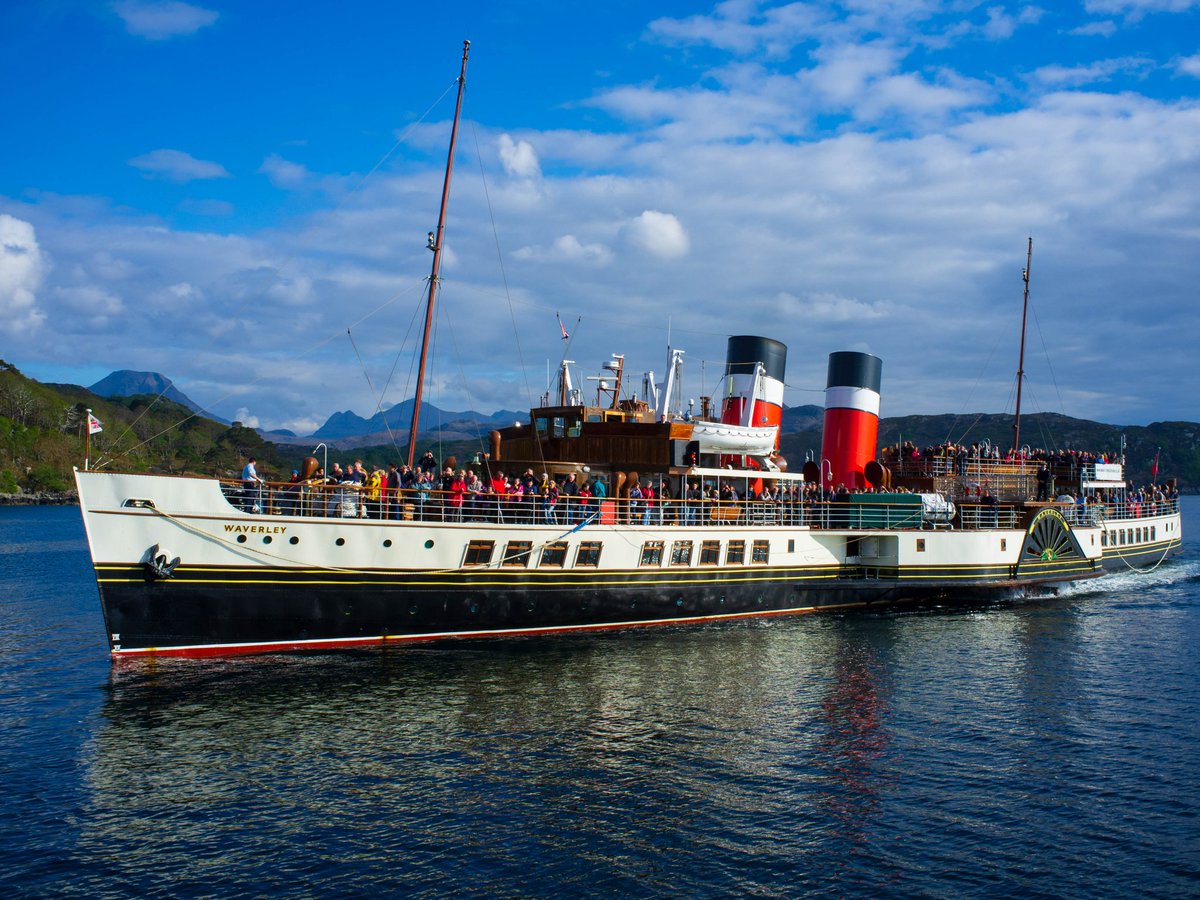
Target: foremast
[
  {"x": 1021, "y": 357},
  {"x": 435, "y": 244}
]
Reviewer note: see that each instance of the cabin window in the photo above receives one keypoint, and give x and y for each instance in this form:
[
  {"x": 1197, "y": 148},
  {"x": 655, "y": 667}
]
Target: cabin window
[
  {"x": 556, "y": 427},
  {"x": 1003, "y": 544},
  {"x": 542, "y": 424},
  {"x": 575, "y": 428},
  {"x": 920, "y": 545},
  {"x": 791, "y": 545},
  {"x": 588, "y": 553},
  {"x": 652, "y": 553},
  {"x": 135, "y": 503},
  {"x": 681, "y": 553},
  {"x": 760, "y": 552},
  {"x": 516, "y": 553},
  {"x": 1153, "y": 532},
  {"x": 710, "y": 553},
  {"x": 1104, "y": 539},
  {"x": 735, "y": 553},
  {"x": 479, "y": 553},
  {"x": 554, "y": 554}
]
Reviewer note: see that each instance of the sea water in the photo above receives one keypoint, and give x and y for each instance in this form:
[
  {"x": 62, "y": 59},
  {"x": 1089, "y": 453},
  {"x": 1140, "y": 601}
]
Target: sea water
[{"x": 1049, "y": 748}]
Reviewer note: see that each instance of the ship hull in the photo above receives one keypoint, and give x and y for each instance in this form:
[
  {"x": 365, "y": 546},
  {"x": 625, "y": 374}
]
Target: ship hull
[
  {"x": 182, "y": 571},
  {"x": 190, "y": 615}
]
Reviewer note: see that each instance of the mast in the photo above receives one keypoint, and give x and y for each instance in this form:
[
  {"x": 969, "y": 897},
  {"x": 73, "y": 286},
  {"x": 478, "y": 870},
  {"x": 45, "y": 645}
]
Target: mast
[
  {"x": 435, "y": 244},
  {"x": 1021, "y": 359}
]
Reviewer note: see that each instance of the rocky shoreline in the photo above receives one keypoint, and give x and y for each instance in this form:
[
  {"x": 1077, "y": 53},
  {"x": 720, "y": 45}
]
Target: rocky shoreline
[{"x": 40, "y": 498}]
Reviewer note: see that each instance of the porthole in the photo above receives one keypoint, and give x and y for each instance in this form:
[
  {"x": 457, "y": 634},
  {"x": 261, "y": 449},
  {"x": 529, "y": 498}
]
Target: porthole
[
  {"x": 266, "y": 539},
  {"x": 412, "y": 610},
  {"x": 388, "y": 542},
  {"x": 293, "y": 540},
  {"x": 241, "y": 539},
  {"x": 341, "y": 542},
  {"x": 429, "y": 545}
]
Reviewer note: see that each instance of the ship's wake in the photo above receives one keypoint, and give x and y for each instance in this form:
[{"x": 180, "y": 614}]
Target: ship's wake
[{"x": 1167, "y": 574}]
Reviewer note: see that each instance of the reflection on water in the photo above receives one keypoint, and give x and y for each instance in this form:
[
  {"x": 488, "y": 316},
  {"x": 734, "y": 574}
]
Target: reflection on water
[{"x": 701, "y": 743}]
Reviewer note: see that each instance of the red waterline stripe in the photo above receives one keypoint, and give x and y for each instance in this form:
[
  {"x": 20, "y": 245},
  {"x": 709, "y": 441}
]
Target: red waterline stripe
[{"x": 208, "y": 650}]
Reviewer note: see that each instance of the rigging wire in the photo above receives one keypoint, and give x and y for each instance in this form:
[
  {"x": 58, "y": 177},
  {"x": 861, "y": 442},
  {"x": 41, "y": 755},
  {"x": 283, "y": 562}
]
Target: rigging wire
[
  {"x": 313, "y": 349},
  {"x": 395, "y": 363},
  {"x": 507, "y": 291},
  {"x": 377, "y": 398}
]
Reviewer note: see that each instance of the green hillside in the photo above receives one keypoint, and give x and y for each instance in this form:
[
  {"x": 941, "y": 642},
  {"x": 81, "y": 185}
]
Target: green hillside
[{"x": 42, "y": 436}]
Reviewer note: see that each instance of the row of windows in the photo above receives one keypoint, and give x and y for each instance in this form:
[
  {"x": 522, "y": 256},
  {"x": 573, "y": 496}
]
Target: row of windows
[
  {"x": 587, "y": 554},
  {"x": 1119, "y": 537}
]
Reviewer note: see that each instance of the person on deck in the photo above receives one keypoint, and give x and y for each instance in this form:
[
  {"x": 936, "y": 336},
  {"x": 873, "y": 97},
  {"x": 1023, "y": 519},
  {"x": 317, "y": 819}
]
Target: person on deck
[
  {"x": 251, "y": 487},
  {"x": 569, "y": 495}
]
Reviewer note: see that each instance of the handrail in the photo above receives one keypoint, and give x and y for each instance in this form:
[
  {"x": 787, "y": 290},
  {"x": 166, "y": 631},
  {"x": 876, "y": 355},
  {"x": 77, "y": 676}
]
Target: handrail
[{"x": 349, "y": 500}]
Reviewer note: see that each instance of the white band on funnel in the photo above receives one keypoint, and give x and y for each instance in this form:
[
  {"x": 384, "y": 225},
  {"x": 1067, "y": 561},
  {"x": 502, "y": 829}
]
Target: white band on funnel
[{"x": 862, "y": 399}]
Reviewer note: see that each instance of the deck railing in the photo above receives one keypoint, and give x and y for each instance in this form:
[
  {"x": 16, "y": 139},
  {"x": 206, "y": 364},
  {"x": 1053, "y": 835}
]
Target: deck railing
[{"x": 347, "y": 501}]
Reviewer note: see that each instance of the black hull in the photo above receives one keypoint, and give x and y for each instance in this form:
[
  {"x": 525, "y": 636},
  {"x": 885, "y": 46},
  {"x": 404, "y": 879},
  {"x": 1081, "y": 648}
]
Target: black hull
[{"x": 195, "y": 615}]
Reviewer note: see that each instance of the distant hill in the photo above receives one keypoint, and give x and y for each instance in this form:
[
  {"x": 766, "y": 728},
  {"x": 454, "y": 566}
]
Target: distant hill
[
  {"x": 1176, "y": 443},
  {"x": 41, "y": 434},
  {"x": 398, "y": 419},
  {"x": 127, "y": 383}
]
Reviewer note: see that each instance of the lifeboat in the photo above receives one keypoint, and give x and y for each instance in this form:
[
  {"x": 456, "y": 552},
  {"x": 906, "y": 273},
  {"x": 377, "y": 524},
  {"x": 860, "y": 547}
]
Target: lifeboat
[{"x": 721, "y": 437}]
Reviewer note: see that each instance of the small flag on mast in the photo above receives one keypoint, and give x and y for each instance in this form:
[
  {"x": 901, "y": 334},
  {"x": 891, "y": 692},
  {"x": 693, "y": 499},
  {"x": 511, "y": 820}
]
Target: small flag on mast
[
  {"x": 1154, "y": 468},
  {"x": 562, "y": 326},
  {"x": 94, "y": 426}
]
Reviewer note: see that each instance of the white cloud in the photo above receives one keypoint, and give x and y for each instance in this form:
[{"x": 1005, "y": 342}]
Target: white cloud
[
  {"x": 567, "y": 248},
  {"x": 745, "y": 28},
  {"x": 284, "y": 173},
  {"x": 158, "y": 21},
  {"x": 827, "y": 307},
  {"x": 1189, "y": 65},
  {"x": 1138, "y": 8},
  {"x": 659, "y": 234},
  {"x": 87, "y": 303},
  {"x": 1099, "y": 71},
  {"x": 21, "y": 271},
  {"x": 175, "y": 165},
  {"x": 1102, "y": 28},
  {"x": 519, "y": 158},
  {"x": 243, "y": 415}
]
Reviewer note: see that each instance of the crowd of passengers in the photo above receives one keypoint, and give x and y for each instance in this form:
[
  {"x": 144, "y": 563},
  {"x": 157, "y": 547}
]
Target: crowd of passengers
[
  {"x": 961, "y": 456},
  {"x": 428, "y": 491}
]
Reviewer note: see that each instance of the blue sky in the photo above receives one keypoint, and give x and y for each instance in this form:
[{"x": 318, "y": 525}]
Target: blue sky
[{"x": 219, "y": 191}]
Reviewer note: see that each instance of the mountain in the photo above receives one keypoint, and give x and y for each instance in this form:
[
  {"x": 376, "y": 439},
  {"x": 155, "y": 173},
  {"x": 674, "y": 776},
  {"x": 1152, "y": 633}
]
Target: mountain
[
  {"x": 127, "y": 383},
  {"x": 398, "y": 419}
]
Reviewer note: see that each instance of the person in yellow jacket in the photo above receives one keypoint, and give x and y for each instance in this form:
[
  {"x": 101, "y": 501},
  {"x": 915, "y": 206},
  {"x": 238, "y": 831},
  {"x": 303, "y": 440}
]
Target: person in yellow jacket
[{"x": 374, "y": 487}]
